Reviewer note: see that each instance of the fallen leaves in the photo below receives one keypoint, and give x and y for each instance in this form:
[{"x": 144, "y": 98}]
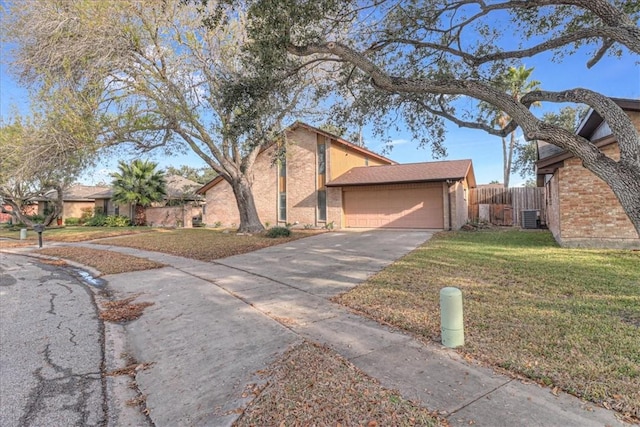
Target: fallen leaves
[
  {"x": 313, "y": 385},
  {"x": 129, "y": 370},
  {"x": 123, "y": 310},
  {"x": 211, "y": 244},
  {"x": 107, "y": 262}
]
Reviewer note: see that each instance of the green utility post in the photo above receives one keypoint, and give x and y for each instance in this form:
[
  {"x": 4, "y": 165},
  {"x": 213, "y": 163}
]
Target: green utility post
[{"x": 452, "y": 324}]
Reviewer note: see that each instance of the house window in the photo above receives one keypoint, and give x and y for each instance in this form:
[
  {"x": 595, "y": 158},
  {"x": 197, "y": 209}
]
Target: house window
[
  {"x": 366, "y": 161},
  {"x": 322, "y": 180},
  {"x": 282, "y": 190},
  {"x": 117, "y": 210},
  {"x": 322, "y": 205}
]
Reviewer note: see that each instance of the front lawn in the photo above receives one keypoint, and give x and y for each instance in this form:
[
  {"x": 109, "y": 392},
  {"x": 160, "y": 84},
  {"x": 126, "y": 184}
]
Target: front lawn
[
  {"x": 107, "y": 262},
  {"x": 567, "y": 318},
  {"x": 201, "y": 243},
  {"x": 72, "y": 234}
]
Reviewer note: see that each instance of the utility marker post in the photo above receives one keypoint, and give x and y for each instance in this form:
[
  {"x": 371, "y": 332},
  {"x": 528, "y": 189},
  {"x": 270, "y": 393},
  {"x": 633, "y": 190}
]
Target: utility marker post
[{"x": 451, "y": 318}]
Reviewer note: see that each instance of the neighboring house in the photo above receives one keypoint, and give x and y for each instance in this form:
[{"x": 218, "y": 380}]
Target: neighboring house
[
  {"x": 582, "y": 211},
  {"x": 76, "y": 199},
  {"x": 180, "y": 207},
  {"x": 31, "y": 209},
  {"x": 324, "y": 180}
]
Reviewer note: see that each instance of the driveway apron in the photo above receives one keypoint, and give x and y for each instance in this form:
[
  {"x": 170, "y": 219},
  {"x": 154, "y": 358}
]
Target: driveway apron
[{"x": 330, "y": 263}]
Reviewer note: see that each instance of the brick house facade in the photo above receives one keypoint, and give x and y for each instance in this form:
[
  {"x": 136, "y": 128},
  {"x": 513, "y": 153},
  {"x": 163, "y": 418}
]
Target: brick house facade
[
  {"x": 301, "y": 189},
  {"x": 582, "y": 210},
  {"x": 287, "y": 192}
]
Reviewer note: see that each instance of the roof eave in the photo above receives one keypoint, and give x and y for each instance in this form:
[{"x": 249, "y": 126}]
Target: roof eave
[
  {"x": 412, "y": 181},
  {"x": 556, "y": 160}
]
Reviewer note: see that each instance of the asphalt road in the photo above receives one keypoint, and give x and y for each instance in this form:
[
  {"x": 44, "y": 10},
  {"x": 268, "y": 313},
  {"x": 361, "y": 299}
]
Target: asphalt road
[{"x": 51, "y": 347}]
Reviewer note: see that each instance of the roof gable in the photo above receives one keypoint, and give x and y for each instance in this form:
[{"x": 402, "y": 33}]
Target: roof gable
[
  {"x": 341, "y": 141},
  {"x": 592, "y": 128},
  {"x": 298, "y": 124},
  {"x": 453, "y": 170}
]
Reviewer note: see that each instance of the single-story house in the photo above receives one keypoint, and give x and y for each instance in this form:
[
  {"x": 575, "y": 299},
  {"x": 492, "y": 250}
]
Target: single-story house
[
  {"x": 582, "y": 210},
  {"x": 76, "y": 200},
  {"x": 324, "y": 180},
  {"x": 30, "y": 209},
  {"x": 180, "y": 206}
]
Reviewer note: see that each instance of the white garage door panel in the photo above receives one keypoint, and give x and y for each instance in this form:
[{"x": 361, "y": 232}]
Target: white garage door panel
[{"x": 407, "y": 206}]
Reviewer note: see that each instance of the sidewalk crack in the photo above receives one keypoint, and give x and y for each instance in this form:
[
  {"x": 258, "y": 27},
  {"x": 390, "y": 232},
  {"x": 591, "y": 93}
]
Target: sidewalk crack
[{"x": 478, "y": 398}]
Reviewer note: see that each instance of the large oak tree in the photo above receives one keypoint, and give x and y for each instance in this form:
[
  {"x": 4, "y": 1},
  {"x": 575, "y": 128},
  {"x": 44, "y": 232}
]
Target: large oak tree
[
  {"x": 426, "y": 61},
  {"x": 157, "y": 78}
]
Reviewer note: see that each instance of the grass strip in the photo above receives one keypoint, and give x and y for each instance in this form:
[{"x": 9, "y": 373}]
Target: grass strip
[{"x": 566, "y": 318}]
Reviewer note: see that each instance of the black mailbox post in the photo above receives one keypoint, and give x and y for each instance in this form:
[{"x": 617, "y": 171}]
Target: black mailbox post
[{"x": 39, "y": 228}]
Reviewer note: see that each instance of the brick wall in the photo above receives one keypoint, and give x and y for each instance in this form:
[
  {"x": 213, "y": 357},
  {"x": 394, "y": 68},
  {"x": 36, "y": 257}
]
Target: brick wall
[
  {"x": 301, "y": 177},
  {"x": 334, "y": 206},
  {"x": 172, "y": 216},
  {"x": 221, "y": 204},
  {"x": 590, "y": 214}
]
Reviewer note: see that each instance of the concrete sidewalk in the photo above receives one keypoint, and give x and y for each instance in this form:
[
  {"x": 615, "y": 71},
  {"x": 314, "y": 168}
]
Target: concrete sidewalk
[{"x": 213, "y": 326}]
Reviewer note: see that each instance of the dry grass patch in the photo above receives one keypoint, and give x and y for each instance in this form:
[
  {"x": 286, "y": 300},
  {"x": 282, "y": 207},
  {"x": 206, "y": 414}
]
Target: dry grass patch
[
  {"x": 566, "y": 318},
  {"x": 14, "y": 243},
  {"x": 124, "y": 310},
  {"x": 201, "y": 244},
  {"x": 107, "y": 262},
  {"x": 312, "y": 385},
  {"x": 73, "y": 234}
]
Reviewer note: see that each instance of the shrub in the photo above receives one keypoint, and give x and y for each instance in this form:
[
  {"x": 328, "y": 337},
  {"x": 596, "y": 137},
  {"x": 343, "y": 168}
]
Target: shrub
[
  {"x": 117, "y": 221},
  {"x": 87, "y": 215},
  {"x": 217, "y": 224},
  {"x": 72, "y": 221},
  {"x": 36, "y": 219},
  {"x": 96, "y": 221},
  {"x": 278, "y": 232}
]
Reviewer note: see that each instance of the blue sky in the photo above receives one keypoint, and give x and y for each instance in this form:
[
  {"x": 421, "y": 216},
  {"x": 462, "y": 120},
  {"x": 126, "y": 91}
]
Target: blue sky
[{"x": 616, "y": 77}]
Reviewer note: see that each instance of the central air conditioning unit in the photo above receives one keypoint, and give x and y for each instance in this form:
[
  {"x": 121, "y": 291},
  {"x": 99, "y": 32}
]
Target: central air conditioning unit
[{"x": 530, "y": 219}]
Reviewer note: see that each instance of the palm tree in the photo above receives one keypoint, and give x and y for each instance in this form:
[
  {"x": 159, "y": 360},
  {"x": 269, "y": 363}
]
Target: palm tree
[
  {"x": 138, "y": 184},
  {"x": 516, "y": 83}
]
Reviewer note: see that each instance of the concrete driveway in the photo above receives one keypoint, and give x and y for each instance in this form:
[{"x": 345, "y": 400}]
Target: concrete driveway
[{"x": 330, "y": 263}]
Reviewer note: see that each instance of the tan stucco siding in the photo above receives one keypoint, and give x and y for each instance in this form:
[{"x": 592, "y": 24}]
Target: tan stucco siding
[
  {"x": 342, "y": 158},
  {"x": 459, "y": 204}
]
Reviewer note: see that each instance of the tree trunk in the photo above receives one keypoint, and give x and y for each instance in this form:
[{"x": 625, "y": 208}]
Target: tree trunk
[
  {"x": 249, "y": 219},
  {"x": 505, "y": 171},
  {"x": 140, "y": 215},
  {"x": 16, "y": 213},
  {"x": 507, "y": 168},
  {"x": 58, "y": 204}
]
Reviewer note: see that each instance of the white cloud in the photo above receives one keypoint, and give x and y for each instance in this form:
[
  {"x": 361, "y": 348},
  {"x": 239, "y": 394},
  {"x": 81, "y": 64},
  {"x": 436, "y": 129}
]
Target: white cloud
[{"x": 395, "y": 142}]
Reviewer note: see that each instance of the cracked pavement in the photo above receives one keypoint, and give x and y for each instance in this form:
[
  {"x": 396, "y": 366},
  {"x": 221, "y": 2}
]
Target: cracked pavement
[{"x": 52, "y": 347}]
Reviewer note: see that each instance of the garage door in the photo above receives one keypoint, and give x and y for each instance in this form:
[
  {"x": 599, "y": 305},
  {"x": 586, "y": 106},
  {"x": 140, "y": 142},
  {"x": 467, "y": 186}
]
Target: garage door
[{"x": 394, "y": 206}]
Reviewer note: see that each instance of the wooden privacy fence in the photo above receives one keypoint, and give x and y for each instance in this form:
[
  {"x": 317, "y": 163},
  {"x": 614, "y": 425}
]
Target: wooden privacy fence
[{"x": 504, "y": 206}]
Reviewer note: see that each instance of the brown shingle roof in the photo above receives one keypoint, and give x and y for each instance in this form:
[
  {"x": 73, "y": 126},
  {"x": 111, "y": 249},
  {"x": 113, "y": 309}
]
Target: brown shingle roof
[
  {"x": 405, "y": 173},
  {"x": 177, "y": 187},
  {"x": 75, "y": 193}
]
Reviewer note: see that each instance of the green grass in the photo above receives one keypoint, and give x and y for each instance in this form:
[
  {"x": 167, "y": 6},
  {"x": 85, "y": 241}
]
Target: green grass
[{"x": 567, "y": 318}]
